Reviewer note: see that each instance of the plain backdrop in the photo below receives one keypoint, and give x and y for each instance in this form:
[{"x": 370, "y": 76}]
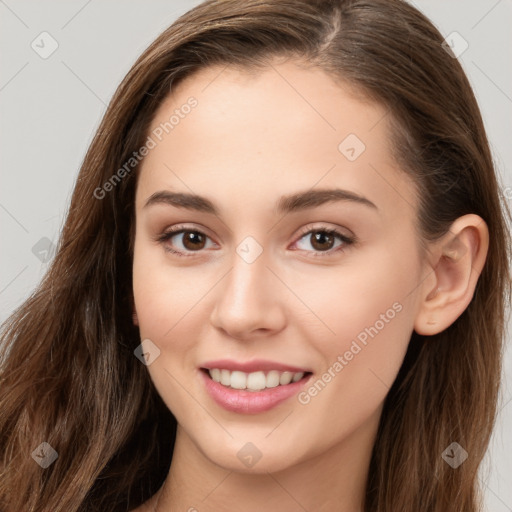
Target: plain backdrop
[{"x": 62, "y": 61}]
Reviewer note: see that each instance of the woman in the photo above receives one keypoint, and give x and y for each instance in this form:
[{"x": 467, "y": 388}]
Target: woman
[{"x": 247, "y": 364}]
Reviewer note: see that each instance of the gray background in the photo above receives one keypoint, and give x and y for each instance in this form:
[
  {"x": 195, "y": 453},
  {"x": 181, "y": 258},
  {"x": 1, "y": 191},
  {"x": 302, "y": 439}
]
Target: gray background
[{"x": 50, "y": 108}]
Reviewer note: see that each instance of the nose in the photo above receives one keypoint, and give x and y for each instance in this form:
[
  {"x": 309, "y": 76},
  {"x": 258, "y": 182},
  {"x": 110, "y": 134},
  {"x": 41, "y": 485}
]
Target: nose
[{"x": 249, "y": 300}]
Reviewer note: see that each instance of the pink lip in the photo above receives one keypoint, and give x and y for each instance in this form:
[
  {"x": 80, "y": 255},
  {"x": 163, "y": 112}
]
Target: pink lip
[
  {"x": 252, "y": 366},
  {"x": 249, "y": 402}
]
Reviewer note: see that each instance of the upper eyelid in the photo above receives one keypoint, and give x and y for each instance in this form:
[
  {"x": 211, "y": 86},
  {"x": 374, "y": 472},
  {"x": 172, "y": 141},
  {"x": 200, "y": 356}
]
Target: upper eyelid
[
  {"x": 302, "y": 231},
  {"x": 179, "y": 229},
  {"x": 309, "y": 228}
]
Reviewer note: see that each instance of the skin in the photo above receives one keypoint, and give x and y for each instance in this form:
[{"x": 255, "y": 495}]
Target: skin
[{"x": 251, "y": 139}]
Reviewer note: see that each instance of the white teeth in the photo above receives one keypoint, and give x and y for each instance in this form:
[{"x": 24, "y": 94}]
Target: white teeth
[
  {"x": 255, "y": 381},
  {"x": 285, "y": 378},
  {"x": 225, "y": 377},
  {"x": 238, "y": 380},
  {"x": 272, "y": 379}
]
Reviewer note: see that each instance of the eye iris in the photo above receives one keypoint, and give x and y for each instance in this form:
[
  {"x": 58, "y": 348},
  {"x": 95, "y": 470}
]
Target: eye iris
[
  {"x": 320, "y": 237},
  {"x": 192, "y": 237},
  {"x": 321, "y": 240}
]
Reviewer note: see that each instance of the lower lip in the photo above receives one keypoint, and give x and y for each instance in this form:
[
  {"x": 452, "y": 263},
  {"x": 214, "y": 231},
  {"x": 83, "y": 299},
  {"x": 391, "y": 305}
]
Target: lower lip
[{"x": 250, "y": 402}]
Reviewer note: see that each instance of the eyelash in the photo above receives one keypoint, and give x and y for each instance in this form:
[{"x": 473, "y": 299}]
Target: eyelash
[{"x": 347, "y": 241}]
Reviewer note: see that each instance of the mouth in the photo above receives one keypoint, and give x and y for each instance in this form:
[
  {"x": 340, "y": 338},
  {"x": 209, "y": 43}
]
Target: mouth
[
  {"x": 251, "y": 393},
  {"x": 254, "y": 381}
]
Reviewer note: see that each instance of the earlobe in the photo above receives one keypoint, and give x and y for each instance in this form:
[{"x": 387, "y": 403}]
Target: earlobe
[{"x": 458, "y": 260}]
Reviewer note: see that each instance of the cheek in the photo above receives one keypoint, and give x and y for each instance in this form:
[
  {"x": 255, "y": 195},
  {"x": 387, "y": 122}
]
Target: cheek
[
  {"x": 370, "y": 312},
  {"x": 373, "y": 293},
  {"x": 346, "y": 398},
  {"x": 163, "y": 300},
  {"x": 163, "y": 293},
  {"x": 350, "y": 390}
]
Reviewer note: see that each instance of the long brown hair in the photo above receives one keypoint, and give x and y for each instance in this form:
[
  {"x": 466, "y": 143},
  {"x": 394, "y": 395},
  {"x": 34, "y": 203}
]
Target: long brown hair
[{"x": 68, "y": 374}]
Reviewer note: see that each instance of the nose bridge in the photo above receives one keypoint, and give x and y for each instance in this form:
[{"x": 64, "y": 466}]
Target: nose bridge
[
  {"x": 248, "y": 278},
  {"x": 249, "y": 299}
]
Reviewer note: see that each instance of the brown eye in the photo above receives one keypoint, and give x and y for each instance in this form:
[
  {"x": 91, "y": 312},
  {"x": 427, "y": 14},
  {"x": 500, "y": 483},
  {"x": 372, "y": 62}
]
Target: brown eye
[
  {"x": 324, "y": 241},
  {"x": 193, "y": 240},
  {"x": 183, "y": 242}
]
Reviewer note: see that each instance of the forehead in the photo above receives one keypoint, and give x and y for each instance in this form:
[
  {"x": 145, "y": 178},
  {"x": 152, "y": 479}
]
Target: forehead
[{"x": 253, "y": 135}]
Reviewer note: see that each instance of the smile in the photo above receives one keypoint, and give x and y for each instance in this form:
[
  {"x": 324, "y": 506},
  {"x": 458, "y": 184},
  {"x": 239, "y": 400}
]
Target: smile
[
  {"x": 255, "y": 381},
  {"x": 254, "y": 392}
]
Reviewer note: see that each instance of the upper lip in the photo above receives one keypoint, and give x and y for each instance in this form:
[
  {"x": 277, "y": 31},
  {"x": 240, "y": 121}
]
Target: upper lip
[{"x": 252, "y": 366}]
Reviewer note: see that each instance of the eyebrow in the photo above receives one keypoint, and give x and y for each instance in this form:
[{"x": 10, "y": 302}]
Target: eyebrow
[{"x": 286, "y": 204}]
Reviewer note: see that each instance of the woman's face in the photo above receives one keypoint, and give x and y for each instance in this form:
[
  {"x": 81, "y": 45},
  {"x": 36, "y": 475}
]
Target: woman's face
[{"x": 257, "y": 288}]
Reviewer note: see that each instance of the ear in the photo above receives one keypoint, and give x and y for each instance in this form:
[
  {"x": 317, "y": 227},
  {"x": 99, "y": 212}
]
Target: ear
[
  {"x": 135, "y": 319},
  {"x": 456, "y": 262}
]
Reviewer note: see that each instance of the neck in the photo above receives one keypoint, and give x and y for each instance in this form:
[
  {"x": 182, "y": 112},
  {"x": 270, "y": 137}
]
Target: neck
[{"x": 334, "y": 480}]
